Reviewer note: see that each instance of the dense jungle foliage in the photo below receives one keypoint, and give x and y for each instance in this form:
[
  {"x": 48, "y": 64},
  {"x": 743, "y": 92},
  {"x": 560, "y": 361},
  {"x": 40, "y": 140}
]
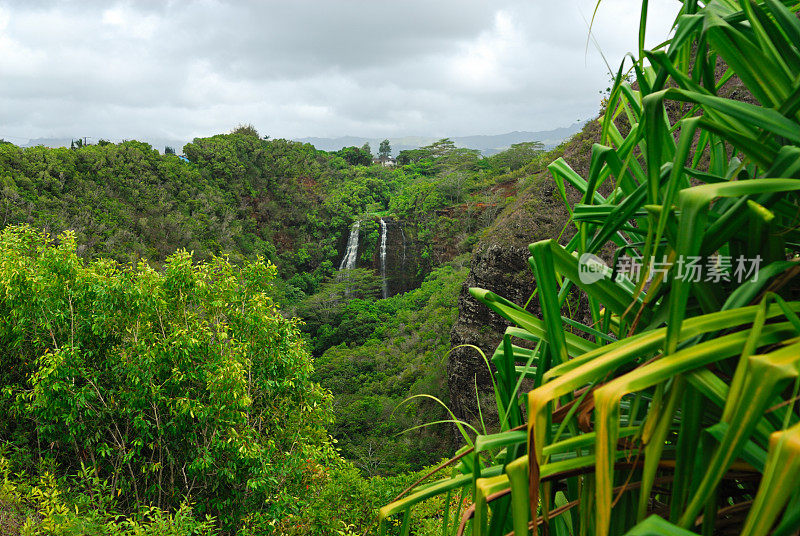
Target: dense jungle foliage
[
  {"x": 245, "y": 196},
  {"x": 154, "y": 376},
  {"x": 162, "y": 385},
  {"x": 402, "y": 356},
  {"x": 180, "y": 354}
]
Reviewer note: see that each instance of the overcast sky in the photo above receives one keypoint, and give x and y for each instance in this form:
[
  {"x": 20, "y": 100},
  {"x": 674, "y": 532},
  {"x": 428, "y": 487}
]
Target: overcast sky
[{"x": 175, "y": 70}]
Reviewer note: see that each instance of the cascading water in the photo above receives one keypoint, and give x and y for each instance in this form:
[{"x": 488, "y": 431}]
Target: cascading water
[
  {"x": 351, "y": 253},
  {"x": 383, "y": 259}
]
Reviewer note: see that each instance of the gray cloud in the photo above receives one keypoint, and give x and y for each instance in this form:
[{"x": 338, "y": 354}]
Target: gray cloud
[{"x": 175, "y": 70}]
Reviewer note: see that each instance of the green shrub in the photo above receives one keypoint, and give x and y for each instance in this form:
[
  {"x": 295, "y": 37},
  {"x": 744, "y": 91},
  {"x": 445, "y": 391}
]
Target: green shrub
[
  {"x": 186, "y": 384},
  {"x": 43, "y": 508}
]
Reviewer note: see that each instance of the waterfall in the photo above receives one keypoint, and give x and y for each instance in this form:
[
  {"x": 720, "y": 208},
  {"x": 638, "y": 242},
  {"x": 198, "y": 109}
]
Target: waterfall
[
  {"x": 383, "y": 258},
  {"x": 351, "y": 253}
]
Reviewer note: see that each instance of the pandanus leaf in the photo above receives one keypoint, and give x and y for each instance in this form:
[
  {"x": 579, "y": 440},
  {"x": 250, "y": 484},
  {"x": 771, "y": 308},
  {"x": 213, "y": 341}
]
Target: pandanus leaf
[{"x": 687, "y": 375}]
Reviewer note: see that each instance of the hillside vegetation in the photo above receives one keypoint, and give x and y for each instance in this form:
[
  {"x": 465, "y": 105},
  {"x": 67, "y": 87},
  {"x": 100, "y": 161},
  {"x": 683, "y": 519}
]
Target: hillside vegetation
[
  {"x": 155, "y": 379},
  {"x": 245, "y": 196}
]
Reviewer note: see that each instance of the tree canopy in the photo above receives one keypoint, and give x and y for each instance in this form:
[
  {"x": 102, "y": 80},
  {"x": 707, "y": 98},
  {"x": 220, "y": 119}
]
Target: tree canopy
[{"x": 385, "y": 150}]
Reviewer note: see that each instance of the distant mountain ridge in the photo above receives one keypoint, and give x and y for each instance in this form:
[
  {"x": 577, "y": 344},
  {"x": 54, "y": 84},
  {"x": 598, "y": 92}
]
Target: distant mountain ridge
[
  {"x": 487, "y": 144},
  {"x": 156, "y": 143}
]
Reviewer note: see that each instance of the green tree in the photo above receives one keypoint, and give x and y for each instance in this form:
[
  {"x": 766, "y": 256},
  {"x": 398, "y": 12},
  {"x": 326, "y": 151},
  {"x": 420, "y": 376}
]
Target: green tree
[
  {"x": 410, "y": 156},
  {"x": 519, "y": 154},
  {"x": 385, "y": 151},
  {"x": 366, "y": 149},
  {"x": 246, "y": 130},
  {"x": 355, "y": 156}
]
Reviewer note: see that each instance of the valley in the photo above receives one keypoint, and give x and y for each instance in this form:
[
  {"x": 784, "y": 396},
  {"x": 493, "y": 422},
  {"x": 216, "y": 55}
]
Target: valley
[
  {"x": 370, "y": 259},
  {"x": 583, "y": 330}
]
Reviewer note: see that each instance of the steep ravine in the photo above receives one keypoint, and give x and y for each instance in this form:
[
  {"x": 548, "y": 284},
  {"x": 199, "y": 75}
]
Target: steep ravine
[{"x": 499, "y": 263}]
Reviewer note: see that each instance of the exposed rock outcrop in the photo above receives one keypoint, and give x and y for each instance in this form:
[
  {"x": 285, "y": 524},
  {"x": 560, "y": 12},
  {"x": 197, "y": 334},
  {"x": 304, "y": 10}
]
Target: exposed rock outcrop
[
  {"x": 499, "y": 263},
  {"x": 402, "y": 257},
  {"x": 499, "y": 260}
]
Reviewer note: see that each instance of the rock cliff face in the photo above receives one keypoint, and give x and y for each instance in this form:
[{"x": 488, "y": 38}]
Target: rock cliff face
[
  {"x": 499, "y": 263},
  {"x": 402, "y": 257},
  {"x": 402, "y": 252}
]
